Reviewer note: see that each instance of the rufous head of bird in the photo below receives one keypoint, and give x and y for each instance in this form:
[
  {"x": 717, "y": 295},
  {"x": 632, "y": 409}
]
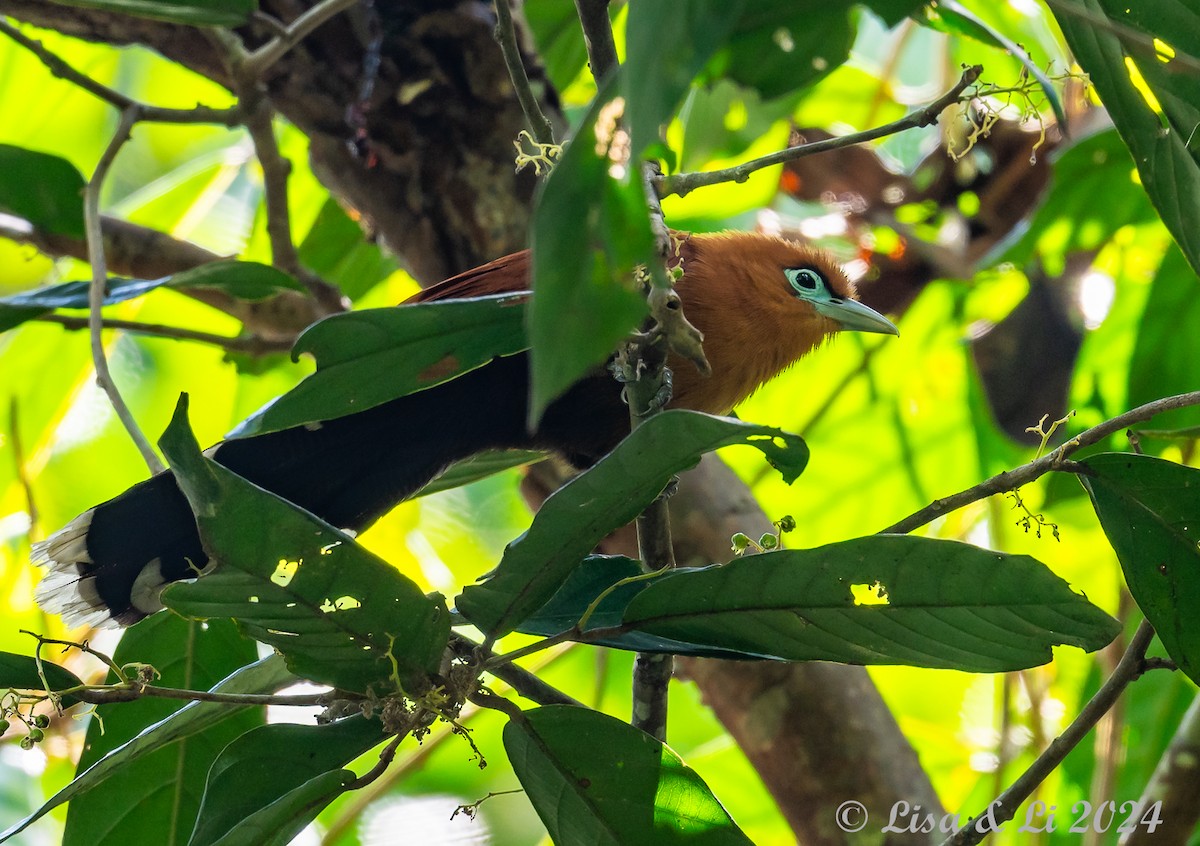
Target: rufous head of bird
[{"x": 762, "y": 303}]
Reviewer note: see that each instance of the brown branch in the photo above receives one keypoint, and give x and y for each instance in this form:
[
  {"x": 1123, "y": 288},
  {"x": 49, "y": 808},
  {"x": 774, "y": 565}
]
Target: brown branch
[
  {"x": 249, "y": 344},
  {"x": 95, "y": 241},
  {"x": 61, "y": 69},
  {"x": 684, "y": 183},
  {"x": 598, "y": 35},
  {"x": 1055, "y": 460},
  {"x": 385, "y": 760},
  {"x": 506, "y": 36},
  {"x": 1175, "y": 784},
  {"x": 257, "y": 62},
  {"x": 104, "y": 694},
  {"x": 143, "y": 253},
  {"x": 1130, "y": 667}
]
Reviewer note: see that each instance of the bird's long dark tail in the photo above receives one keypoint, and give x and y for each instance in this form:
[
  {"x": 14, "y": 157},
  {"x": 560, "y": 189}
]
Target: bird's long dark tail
[{"x": 108, "y": 565}]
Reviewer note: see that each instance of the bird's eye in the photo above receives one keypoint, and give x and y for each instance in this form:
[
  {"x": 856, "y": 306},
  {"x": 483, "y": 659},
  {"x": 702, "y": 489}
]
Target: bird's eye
[{"x": 804, "y": 279}]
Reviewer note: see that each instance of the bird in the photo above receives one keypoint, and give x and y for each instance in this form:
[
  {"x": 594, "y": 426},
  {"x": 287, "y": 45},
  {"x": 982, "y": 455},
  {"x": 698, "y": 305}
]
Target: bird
[{"x": 761, "y": 303}]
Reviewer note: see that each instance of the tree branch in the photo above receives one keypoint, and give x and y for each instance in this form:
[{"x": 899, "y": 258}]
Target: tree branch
[
  {"x": 249, "y": 344},
  {"x": 95, "y": 241},
  {"x": 1054, "y": 460},
  {"x": 598, "y": 35},
  {"x": 1130, "y": 667},
  {"x": 506, "y": 36},
  {"x": 144, "y": 253},
  {"x": 257, "y": 62},
  {"x": 684, "y": 183},
  {"x": 57, "y": 66}
]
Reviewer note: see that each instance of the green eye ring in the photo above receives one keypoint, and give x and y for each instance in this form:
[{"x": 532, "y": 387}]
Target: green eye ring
[{"x": 806, "y": 280}]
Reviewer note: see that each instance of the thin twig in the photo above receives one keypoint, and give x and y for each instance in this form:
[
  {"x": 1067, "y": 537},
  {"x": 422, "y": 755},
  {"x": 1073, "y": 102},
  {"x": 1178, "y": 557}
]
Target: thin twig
[
  {"x": 104, "y": 694},
  {"x": 250, "y": 344},
  {"x": 95, "y": 241},
  {"x": 157, "y": 114},
  {"x": 257, "y": 63},
  {"x": 684, "y": 183},
  {"x": 385, "y": 760},
  {"x": 598, "y": 35},
  {"x": 506, "y": 35},
  {"x": 1131, "y": 665},
  {"x": 1053, "y": 460}
]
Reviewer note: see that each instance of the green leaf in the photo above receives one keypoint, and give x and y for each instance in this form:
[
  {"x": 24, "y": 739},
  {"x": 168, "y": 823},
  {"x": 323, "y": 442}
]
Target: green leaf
[
  {"x": 195, "y": 718},
  {"x": 1154, "y": 103},
  {"x": 340, "y": 615},
  {"x": 366, "y": 358},
  {"x": 196, "y": 12},
  {"x": 594, "y": 575},
  {"x": 596, "y": 781},
  {"x": 479, "y": 466},
  {"x": 45, "y": 190},
  {"x": 555, "y": 27},
  {"x": 590, "y": 230},
  {"x": 336, "y": 250},
  {"x": 1168, "y": 346},
  {"x": 20, "y": 672},
  {"x": 781, "y": 48},
  {"x": 886, "y": 599},
  {"x": 667, "y": 44},
  {"x": 153, "y": 796},
  {"x": 245, "y": 280},
  {"x": 608, "y": 495},
  {"x": 952, "y": 16},
  {"x": 1150, "y": 511},
  {"x": 267, "y": 785}
]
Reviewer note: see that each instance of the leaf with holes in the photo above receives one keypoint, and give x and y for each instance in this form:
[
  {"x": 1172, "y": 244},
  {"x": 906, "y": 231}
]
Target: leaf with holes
[
  {"x": 886, "y": 599},
  {"x": 340, "y": 615}
]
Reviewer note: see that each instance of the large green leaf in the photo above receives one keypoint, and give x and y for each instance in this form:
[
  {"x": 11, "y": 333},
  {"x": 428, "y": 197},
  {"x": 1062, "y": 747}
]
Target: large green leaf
[
  {"x": 778, "y": 48},
  {"x": 340, "y": 615},
  {"x": 667, "y": 44},
  {"x": 608, "y": 495},
  {"x": 196, "y": 12},
  {"x": 365, "y": 358},
  {"x": 270, "y": 782},
  {"x": 153, "y": 797},
  {"x": 595, "y": 575},
  {"x": 45, "y": 190},
  {"x": 195, "y": 718},
  {"x": 886, "y": 599},
  {"x": 1154, "y": 103},
  {"x": 245, "y": 280},
  {"x": 1167, "y": 350},
  {"x": 596, "y": 781},
  {"x": 337, "y": 251},
  {"x": 1150, "y": 511},
  {"x": 590, "y": 230}
]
